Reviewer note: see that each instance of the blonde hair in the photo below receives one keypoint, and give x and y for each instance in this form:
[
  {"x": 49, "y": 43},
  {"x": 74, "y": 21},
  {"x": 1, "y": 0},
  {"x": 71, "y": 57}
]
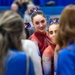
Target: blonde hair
[{"x": 11, "y": 27}]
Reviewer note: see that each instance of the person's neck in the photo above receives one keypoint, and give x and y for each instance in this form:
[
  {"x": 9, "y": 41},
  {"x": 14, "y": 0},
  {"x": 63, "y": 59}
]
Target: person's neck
[{"x": 41, "y": 32}]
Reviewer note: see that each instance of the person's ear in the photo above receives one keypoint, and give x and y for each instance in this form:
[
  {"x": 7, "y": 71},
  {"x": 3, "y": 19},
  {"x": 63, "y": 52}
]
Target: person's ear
[
  {"x": 32, "y": 23},
  {"x": 46, "y": 21}
]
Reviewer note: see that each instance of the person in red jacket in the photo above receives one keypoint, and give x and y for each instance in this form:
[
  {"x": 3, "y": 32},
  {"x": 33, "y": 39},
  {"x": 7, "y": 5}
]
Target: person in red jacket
[{"x": 40, "y": 36}]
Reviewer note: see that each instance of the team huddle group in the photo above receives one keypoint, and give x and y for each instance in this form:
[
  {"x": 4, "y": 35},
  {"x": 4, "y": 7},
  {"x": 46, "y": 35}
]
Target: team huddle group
[{"x": 46, "y": 52}]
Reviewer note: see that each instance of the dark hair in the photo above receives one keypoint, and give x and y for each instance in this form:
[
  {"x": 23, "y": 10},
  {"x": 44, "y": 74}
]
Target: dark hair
[
  {"x": 38, "y": 12},
  {"x": 27, "y": 33}
]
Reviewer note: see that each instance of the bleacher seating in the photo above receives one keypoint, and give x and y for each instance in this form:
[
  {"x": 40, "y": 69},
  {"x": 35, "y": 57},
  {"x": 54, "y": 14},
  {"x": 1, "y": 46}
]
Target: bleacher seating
[
  {"x": 4, "y": 8},
  {"x": 48, "y": 10},
  {"x": 55, "y": 10}
]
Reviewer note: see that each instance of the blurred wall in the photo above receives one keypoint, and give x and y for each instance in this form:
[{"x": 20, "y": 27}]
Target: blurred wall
[
  {"x": 40, "y": 2},
  {"x": 6, "y": 2}
]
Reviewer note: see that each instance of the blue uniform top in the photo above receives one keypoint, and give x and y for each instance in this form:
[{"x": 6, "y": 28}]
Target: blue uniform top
[
  {"x": 15, "y": 63},
  {"x": 66, "y": 61}
]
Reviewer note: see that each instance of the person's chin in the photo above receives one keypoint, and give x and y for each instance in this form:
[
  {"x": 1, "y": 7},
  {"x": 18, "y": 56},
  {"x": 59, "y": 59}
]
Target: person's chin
[
  {"x": 42, "y": 31},
  {"x": 53, "y": 41}
]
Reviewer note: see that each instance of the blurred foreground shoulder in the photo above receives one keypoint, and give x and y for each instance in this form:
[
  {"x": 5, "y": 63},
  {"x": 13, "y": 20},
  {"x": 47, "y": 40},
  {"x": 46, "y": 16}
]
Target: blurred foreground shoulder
[{"x": 16, "y": 63}]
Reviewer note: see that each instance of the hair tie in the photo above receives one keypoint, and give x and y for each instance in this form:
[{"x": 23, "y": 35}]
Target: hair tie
[
  {"x": 34, "y": 10},
  {"x": 54, "y": 20}
]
